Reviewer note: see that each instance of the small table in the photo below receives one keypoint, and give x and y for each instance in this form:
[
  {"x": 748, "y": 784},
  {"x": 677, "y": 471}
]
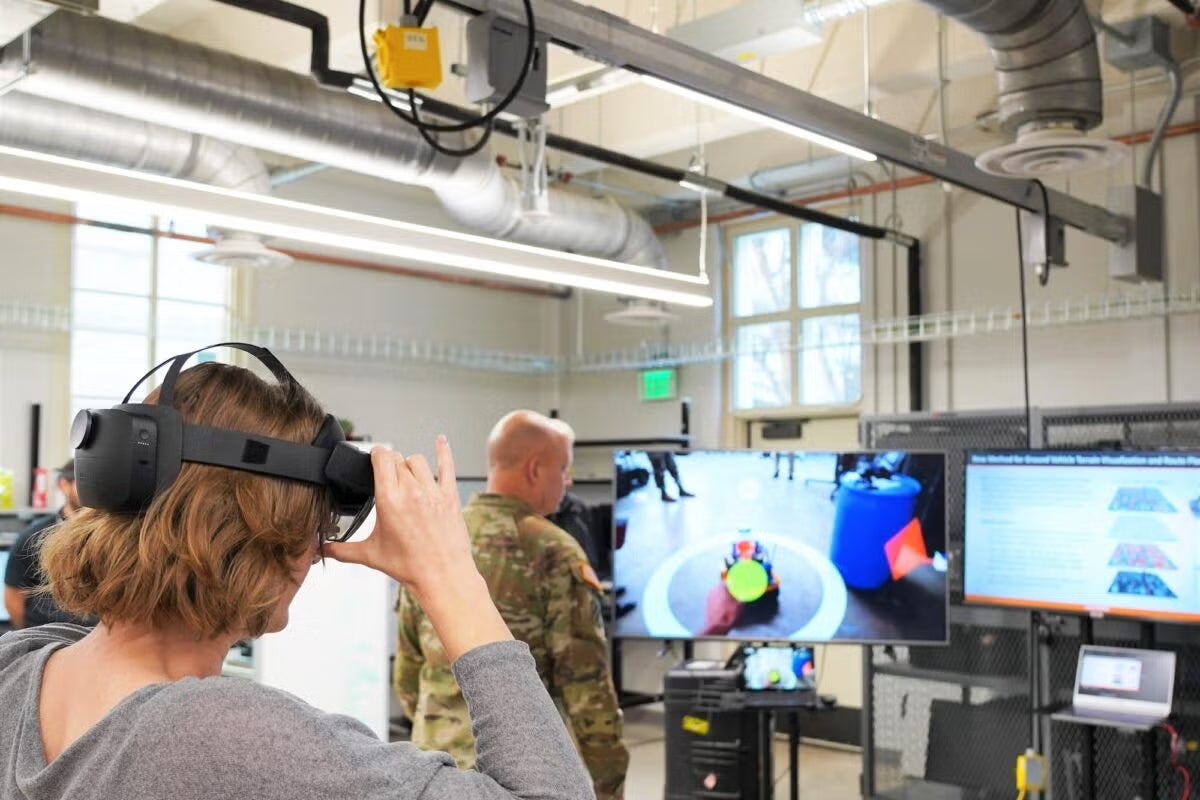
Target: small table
[{"x": 767, "y": 704}]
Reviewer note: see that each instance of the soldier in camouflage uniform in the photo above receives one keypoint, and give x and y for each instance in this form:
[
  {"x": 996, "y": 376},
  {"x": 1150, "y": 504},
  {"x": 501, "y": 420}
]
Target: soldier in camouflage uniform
[{"x": 546, "y": 591}]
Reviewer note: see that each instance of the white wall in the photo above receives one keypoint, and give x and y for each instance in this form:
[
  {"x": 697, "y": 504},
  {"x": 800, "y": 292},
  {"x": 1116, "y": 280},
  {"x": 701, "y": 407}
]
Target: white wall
[
  {"x": 1111, "y": 363},
  {"x": 406, "y": 405},
  {"x": 607, "y": 404}
]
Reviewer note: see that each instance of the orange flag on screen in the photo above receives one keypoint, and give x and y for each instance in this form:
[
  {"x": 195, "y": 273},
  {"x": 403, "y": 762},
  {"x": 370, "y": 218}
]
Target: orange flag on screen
[{"x": 906, "y": 550}]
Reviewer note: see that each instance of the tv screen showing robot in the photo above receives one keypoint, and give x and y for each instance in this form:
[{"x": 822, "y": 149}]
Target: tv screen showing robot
[
  {"x": 1085, "y": 532},
  {"x": 780, "y": 546}
]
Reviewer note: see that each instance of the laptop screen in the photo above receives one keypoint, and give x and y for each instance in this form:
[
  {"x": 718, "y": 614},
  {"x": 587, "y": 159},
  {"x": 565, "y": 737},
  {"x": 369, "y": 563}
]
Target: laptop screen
[{"x": 1115, "y": 677}]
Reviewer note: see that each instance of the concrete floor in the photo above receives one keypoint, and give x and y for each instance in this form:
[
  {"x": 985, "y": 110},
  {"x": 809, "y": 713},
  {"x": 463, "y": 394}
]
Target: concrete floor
[{"x": 825, "y": 773}]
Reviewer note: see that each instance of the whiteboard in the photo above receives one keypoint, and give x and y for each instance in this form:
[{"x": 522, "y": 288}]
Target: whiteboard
[{"x": 334, "y": 651}]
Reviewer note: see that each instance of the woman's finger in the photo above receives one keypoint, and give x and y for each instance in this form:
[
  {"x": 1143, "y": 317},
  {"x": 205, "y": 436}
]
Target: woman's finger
[
  {"x": 382, "y": 467},
  {"x": 345, "y": 552},
  {"x": 420, "y": 468},
  {"x": 445, "y": 459}
]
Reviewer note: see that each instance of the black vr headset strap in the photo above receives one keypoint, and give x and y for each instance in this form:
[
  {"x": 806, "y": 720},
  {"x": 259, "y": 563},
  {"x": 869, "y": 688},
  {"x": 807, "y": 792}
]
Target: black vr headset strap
[
  {"x": 250, "y": 453},
  {"x": 166, "y": 396}
]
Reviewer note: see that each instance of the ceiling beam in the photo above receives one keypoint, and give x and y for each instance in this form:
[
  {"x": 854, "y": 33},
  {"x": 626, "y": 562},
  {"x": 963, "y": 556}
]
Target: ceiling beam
[{"x": 608, "y": 39}]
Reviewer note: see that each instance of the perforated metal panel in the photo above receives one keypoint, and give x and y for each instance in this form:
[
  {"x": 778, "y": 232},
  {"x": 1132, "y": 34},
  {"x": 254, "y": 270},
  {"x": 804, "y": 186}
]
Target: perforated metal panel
[
  {"x": 1110, "y": 764},
  {"x": 985, "y": 670},
  {"x": 1176, "y": 425},
  {"x": 979, "y": 682},
  {"x": 954, "y": 433},
  {"x": 1123, "y": 765}
]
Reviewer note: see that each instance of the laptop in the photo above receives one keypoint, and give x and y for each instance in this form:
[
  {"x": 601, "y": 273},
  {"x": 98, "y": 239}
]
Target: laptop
[{"x": 1119, "y": 687}]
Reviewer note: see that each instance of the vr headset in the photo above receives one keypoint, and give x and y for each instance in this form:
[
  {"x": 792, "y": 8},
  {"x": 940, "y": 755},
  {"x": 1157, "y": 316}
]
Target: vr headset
[{"x": 127, "y": 455}]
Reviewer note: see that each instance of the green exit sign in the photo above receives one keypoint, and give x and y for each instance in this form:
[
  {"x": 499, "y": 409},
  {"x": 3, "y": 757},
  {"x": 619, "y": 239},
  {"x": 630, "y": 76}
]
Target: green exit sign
[{"x": 658, "y": 384}]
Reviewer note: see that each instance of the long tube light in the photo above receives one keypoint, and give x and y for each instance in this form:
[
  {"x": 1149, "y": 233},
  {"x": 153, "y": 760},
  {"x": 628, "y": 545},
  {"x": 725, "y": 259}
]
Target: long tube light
[
  {"x": 759, "y": 118},
  {"x": 365, "y": 89},
  {"x": 50, "y": 176}
]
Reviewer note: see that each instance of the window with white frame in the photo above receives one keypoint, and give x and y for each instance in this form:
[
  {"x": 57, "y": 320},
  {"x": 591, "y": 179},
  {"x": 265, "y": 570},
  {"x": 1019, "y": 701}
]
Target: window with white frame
[
  {"x": 136, "y": 299},
  {"x": 795, "y": 316}
]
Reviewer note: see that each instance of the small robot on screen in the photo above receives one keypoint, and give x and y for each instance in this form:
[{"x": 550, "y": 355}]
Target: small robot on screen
[{"x": 749, "y": 574}]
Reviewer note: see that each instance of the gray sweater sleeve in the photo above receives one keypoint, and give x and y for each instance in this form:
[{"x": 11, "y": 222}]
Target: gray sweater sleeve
[
  {"x": 522, "y": 747},
  {"x": 267, "y": 744}
]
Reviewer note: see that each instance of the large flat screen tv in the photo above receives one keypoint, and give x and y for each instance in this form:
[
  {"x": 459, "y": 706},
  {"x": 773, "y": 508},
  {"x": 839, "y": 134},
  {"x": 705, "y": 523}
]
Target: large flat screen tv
[
  {"x": 1084, "y": 532},
  {"x": 780, "y": 546}
]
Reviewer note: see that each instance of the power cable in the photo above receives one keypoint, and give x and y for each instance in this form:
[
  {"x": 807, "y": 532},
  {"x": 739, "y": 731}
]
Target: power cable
[
  {"x": 1024, "y": 331},
  {"x": 1175, "y": 748}
]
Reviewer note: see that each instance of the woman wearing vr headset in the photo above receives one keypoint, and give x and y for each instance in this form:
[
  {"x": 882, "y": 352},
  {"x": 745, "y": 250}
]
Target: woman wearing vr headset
[{"x": 137, "y": 709}]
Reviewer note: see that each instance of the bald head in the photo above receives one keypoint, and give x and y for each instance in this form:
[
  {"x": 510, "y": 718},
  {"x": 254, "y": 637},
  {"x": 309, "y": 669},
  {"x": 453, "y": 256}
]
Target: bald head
[{"x": 529, "y": 458}]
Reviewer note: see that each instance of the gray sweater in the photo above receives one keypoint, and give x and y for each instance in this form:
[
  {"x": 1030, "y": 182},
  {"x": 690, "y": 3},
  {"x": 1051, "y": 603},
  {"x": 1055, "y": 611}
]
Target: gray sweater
[{"x": 221, "y": 738}]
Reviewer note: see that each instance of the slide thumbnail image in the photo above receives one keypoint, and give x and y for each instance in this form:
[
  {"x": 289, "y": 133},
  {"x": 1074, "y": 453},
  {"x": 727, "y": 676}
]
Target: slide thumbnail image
[
  {"x": 1141, "y": 498},
  {"x": 1147, "y": 556},
  {"x": 1141, "y": 528},
  {"x": 1145, "y": 584}
]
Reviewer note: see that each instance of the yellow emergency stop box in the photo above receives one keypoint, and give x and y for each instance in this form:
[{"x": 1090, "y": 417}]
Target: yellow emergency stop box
[{"x": 408, "y": 58}]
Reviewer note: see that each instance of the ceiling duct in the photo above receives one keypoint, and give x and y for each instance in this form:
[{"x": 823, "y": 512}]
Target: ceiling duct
[
  {"x": 122, "y": 69},
  {"x": 37, "y": 123},
  {"x": 1048, "y": 68}
]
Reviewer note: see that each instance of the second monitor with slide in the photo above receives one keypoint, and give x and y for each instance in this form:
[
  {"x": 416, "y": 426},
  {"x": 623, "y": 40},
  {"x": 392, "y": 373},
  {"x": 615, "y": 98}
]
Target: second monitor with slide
[
  {"x": 1085, "y": 532},
  {"x": 781, "y": 546}
]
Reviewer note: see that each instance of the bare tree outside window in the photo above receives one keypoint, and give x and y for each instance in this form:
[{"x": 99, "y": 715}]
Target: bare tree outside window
[{"x": 801, "y": 346}]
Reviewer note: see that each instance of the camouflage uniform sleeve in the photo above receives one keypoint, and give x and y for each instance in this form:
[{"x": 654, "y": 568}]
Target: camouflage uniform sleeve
[
  {"x": 406, "y": 670},
  {"x": 579, "y": 668}
]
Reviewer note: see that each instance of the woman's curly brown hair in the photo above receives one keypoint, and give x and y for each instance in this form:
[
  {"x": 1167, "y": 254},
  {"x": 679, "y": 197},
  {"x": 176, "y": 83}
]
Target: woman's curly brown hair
[{"x": 215, "y": 551}]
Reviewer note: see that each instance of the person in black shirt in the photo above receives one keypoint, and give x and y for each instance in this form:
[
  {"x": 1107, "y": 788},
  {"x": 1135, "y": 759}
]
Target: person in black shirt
[
  {"x": 572, "y": 516},
  {"x": 26, "y": 607},
  {"x": 664, "y": 462}
]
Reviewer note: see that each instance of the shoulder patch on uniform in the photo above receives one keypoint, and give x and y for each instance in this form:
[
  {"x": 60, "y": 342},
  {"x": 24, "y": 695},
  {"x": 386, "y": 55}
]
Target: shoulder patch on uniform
[{"x": 588, "y": 575}]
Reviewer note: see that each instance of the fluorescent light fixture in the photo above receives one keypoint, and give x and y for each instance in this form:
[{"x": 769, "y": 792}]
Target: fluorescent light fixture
[
  {"x": 365, "y": 89},
  {"x": 77, "y": 181},
  {"x": 593, "y": 84},
  {"x": 759, "y": 118}
]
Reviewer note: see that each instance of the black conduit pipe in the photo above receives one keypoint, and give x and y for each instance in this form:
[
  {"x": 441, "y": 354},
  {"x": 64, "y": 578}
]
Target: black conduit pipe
[
  {"x": 316, "y": 23},
  {"x": 916, "y": 350}
]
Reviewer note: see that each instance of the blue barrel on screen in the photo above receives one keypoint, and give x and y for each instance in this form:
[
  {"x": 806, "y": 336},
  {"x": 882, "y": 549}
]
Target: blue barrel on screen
[{"x": 869, "y": 512}]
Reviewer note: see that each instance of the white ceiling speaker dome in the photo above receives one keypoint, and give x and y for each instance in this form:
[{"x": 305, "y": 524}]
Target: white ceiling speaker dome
[
  {"x": 641, "y": 314},
  {"x": 1051, "y": 151},
  {"x": 242, "y": 250}
]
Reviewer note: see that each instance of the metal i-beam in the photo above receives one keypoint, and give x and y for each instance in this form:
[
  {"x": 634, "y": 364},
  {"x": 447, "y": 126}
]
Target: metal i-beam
[{"x": 608, "y": 39}]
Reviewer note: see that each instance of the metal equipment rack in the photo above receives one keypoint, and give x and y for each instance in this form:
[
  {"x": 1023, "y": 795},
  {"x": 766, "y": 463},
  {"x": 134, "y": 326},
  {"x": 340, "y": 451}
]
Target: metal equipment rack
[{"x": 1003, "y": 669}]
